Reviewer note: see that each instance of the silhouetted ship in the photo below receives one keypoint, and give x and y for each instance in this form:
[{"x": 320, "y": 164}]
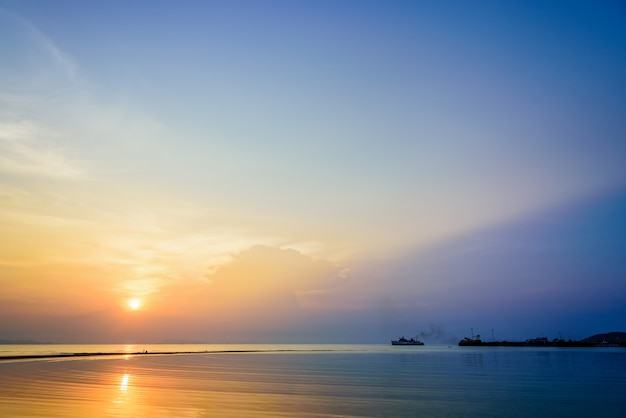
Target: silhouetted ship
[{"x": 404, "y": 341}]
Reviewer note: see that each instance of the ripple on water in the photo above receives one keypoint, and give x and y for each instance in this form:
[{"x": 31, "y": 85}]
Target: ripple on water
[{"x": 516, "y": 383}]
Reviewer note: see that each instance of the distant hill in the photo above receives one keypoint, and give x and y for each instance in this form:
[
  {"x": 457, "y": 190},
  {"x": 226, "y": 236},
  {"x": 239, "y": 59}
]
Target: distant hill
[{"x": 609, "y": 337}]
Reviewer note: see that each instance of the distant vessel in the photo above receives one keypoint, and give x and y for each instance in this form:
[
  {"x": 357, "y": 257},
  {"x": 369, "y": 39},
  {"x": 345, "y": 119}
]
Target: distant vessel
[{"x": 404, "y": 341}]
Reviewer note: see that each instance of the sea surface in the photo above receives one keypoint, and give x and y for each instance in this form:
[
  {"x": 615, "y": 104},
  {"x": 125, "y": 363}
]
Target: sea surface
[{"x": 312, "y": 381}]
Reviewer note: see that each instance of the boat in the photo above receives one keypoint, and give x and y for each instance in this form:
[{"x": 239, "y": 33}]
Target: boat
[{"x": 404, "y": 341}]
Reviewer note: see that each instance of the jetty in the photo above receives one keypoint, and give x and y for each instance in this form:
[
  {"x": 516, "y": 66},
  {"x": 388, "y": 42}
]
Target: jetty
[{"x": 611, "y": 339}]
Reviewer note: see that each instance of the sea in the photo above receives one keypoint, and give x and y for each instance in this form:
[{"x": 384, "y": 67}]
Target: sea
[{"x": 246, "y": 380}]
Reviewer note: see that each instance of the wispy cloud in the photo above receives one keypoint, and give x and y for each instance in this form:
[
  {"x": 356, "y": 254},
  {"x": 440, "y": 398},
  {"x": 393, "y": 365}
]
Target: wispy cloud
[
  {"x": 28, "y": 149},
  {"x": 30, "y": 144},
  {"x": 59, "y": 56}
]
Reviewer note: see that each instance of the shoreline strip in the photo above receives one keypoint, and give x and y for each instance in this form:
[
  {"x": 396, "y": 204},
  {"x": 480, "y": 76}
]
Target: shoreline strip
[{"x": 139, "y": 353}]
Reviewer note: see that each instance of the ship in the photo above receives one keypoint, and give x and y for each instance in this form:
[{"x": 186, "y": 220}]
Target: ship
[{"x": 404, "y": 341}]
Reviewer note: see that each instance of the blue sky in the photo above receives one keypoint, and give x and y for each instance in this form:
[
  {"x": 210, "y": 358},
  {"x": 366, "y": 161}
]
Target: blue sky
[{"x": 148, "y": 147}]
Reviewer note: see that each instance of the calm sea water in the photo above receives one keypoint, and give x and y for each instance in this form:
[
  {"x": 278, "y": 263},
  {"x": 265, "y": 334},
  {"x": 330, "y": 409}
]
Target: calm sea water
[{"x": 315, "y": 380}]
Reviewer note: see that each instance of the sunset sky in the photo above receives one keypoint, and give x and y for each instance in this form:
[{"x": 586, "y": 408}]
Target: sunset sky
[{"x": 311, "y": 171}]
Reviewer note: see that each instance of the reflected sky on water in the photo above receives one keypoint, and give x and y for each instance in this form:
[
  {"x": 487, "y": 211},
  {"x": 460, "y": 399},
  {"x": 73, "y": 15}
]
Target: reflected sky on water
[{"x": 437, "y": 381}]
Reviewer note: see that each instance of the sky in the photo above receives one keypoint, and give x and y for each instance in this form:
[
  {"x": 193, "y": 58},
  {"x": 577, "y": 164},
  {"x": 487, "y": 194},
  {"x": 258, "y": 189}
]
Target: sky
[{"x": 311, "y": 171}]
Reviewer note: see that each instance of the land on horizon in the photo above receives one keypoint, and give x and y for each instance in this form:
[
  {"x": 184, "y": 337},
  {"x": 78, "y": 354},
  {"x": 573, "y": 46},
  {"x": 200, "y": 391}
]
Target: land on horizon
[{"x": 596, "y": 340}]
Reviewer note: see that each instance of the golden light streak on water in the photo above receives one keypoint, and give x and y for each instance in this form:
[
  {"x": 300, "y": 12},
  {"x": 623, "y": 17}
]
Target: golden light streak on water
[{"x": 124, "y": 384}]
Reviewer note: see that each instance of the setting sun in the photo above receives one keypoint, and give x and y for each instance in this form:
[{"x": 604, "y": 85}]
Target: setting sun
[{"x": 134, "y": 304}]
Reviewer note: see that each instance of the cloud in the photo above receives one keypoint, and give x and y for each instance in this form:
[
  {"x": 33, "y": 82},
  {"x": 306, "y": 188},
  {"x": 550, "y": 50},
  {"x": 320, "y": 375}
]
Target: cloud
[
  {"x": 59, "y": 56},
  {"x": 548, "y": 268},
  {"x": 28, "y": 149},
  {"x": 36, "y": 82},
  {"x": 26, "y": 34},
  {"x": 260, "y": 288},
  {"x": 264, "y": 273}
]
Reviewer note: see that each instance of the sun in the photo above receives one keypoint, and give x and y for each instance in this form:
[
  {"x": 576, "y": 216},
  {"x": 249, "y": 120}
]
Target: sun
[{"x": 134, "y": 304}]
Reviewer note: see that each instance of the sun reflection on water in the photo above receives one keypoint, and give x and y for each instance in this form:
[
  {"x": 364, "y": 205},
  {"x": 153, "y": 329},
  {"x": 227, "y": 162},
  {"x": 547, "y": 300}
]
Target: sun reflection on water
[{"x": 124, "y": 384}]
